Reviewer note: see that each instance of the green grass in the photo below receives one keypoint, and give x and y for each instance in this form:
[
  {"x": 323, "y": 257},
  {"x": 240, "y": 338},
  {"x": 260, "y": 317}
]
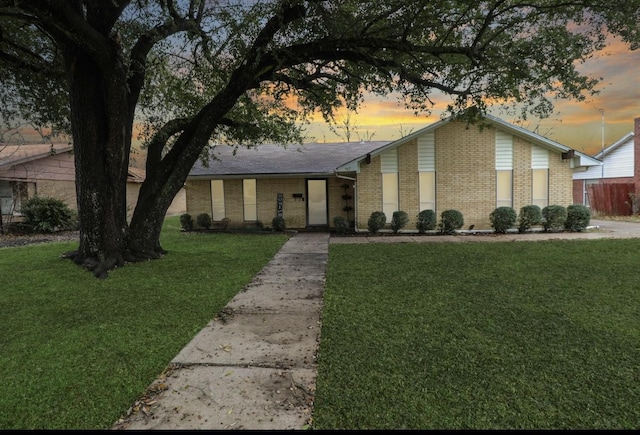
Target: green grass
[
  {"x": 542, "y": 335},
  {"x": 75, "y": 351}
]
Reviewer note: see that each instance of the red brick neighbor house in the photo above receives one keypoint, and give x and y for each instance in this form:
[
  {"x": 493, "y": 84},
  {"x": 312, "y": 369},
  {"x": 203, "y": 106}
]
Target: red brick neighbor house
[
  {"x": 447, "y": 165},
  {"x": 49, "y": 170},
  {"x": 608, "y": 189}
]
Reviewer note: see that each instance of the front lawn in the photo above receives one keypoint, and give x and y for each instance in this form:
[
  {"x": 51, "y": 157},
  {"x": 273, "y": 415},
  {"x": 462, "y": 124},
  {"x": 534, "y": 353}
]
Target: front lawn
[
  {"x": 75, "y": 351},
  {"x": 513, "y": 335}
]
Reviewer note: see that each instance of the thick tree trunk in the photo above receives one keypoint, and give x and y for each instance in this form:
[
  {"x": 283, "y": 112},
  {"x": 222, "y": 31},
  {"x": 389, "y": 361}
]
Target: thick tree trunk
[{"x": 102, "y": 141}]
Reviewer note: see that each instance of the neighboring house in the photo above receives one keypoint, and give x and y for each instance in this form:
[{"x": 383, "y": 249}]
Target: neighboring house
[
  {"x": 447, "y": 165},
  {"x": 29, "y": 170},
  {"x": 49, "y": 170},
  {"x": 607, "y": 188}
]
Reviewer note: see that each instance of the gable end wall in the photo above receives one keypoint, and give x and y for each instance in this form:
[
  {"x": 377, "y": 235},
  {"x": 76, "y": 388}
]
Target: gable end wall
[{"x": 465, "y": 177}]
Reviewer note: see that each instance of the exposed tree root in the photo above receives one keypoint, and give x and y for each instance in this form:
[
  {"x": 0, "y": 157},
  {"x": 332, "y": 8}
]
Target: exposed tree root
[{"x": 101, "y": 267}]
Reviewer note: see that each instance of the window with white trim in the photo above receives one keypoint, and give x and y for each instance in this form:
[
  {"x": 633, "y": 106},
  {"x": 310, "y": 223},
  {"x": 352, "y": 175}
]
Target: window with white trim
[
  {"x": 6, "y": 198},
  {"x": 249, "y": 199},
  {"x": 504, "y": 169},
  {"x": 427, "y": 171},
  {"x": 539, "y": 176},
  {"x": 217, "y": 200}
]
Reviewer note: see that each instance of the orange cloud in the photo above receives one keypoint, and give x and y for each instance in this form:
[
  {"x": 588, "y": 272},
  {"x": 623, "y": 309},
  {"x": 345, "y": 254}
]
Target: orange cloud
[{"x": 577, "y": 124}]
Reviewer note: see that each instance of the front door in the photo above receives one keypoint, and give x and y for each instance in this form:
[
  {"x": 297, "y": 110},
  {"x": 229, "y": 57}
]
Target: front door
[{"x": 316, "y": 202}]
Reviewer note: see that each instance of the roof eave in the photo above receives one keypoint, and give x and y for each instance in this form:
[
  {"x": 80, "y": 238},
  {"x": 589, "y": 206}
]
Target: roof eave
[
  {"x": 261, "y": 175},
  {"x": 27, "y": 159}
]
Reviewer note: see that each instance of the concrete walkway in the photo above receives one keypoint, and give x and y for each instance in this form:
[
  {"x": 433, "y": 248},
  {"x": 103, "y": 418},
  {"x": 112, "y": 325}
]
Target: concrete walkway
[
  {"x": 254, "y": 366},
  {"x": 599, "y": 230}
]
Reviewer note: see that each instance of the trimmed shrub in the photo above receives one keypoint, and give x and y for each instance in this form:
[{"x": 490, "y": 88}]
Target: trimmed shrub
[
  {"x": 554, "y": 217},
  {"x": 426, "y": 221},
  {"x": 502, "y": 218},
  {"x": 450, "y": 221},
  {"x": 578, "y": 218},
  {"x": 186, "y": 222},
  {"x": 341, "y": 224},
  {"x": 278, "y": 223},
  {"x": 259, "y": 226},
  {"x": 376, "y": 221},
  {"x": 530, "y": 215},
  {"x": 398, "y": 221},
  {"x": 45, "y": 215},
  {"x": 224, "y": 224},
  {"x": 204, "y": 220}
]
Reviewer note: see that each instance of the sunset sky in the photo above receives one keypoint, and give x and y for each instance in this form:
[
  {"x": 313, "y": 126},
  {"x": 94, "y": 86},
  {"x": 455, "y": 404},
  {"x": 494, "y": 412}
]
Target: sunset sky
[{"x": 575, "y": 124}]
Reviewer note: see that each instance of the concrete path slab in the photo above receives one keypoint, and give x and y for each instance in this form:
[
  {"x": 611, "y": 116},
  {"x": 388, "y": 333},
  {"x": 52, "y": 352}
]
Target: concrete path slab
[{"x": 254, "y": 366}]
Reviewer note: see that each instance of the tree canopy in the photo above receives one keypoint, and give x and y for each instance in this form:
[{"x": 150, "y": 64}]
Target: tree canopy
[{"x": 245, "y": 71}]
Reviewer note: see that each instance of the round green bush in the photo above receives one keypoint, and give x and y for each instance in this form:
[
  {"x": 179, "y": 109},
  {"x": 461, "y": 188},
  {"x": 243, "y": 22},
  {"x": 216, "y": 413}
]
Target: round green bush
[
  {"x": 554, "y": 217},
  {"x": 399, "y": 220},
  {"x": 530, "y": 215},
  {"x": 45, "y": 215},
  {"x": 278, "y": 223},
  {"x": 204, "y": 220},
  {"x": 450, "y": 221},
  {"x": 502, "y": 219},
  {"x": 186, "y": 222},
  {"x": 376, "y": 222},
  {"x": 341, "y": 225},
  {"x": 426, "y": 221},
  {"x": 578, "y": 218}
]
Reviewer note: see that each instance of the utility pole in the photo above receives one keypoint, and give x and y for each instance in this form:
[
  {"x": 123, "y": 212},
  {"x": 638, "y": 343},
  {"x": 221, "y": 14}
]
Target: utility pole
[{"x": 602, "y": 144}]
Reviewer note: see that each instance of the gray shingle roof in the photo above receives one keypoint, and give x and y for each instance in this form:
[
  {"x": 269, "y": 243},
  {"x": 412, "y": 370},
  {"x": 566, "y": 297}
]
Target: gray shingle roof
[
  {"x": 11, "y": 155},
  {"x": 274, "y": 159}
]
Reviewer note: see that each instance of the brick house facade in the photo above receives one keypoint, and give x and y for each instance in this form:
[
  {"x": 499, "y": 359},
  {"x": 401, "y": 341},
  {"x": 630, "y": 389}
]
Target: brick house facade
[
  {"x": 48, "y": 170},
  {"x": 447, "y": 165}
]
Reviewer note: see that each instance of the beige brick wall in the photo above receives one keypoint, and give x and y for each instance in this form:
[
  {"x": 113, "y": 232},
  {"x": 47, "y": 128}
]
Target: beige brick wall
[
  {"x": 465, "y": 172},
  {"x": 369, "y": 195},
  {"x": 198, "y": 197},
  {"x": 465, "y": 177},
  {"x": 336, "y": 203},
  {"x": 560, "y": 181},
  {"x": 522, "y": 189},
  {"x": 198, "y": 200},
  {"x": 293, "y": 210},
  {"x": 409, "y": 182}
]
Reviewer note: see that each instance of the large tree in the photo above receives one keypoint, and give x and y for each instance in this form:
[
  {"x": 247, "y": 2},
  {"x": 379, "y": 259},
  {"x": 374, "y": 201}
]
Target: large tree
[{"x": 202, "y": 71}]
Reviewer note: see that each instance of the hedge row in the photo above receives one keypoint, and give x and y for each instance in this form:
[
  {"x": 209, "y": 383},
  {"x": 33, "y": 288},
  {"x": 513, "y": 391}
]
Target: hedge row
[{"x": 553, "y": 218}]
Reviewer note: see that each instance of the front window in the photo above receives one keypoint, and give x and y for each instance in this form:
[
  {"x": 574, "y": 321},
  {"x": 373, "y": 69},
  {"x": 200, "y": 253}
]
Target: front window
[
  {"x": 540, "y": 188},
  {"x": 217, "y": 200},
  {"x": 504, "y": 189},
  {"x": 389, "y": 194},
  {"x": 428, "y": 191},
  {"x": 249, "y": 198}
]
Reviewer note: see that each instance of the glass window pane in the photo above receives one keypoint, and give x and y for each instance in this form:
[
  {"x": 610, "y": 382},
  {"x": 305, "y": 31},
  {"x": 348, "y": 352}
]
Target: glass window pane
[
  {"x": 217, "y": 199},
  {"x": 427, "y": 191},
  {"x": 389, "y": 194},
  {"x": 249, "y": 197},
  {"x": 540, "y": 187},
  {"x": 504, "y": 192},
  {"x": 317, "y": 201}
]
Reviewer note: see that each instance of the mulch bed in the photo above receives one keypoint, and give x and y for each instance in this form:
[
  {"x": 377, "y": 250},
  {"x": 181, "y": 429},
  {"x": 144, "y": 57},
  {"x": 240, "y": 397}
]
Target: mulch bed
[{"x": 13, "y": 240}]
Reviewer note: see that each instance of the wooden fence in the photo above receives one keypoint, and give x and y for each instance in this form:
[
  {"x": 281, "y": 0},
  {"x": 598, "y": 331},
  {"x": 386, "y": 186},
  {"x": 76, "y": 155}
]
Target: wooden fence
[{"x": 611, "y": 199}]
